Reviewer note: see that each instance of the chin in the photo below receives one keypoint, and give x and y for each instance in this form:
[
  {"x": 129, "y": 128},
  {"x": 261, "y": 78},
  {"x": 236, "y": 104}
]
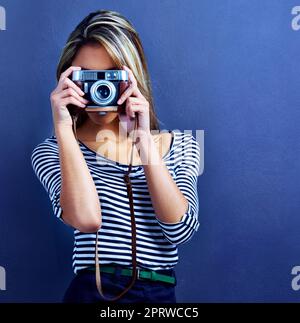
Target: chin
[{"x": 103, "y": 119}]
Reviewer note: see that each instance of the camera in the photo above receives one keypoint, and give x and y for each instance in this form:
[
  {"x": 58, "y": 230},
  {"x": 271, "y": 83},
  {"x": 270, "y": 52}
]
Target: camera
[{"x": 102, "y": 88}]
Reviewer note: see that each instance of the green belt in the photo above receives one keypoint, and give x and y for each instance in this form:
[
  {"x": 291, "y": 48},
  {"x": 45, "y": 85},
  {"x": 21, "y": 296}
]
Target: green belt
[{"x": 141, "y": 274}]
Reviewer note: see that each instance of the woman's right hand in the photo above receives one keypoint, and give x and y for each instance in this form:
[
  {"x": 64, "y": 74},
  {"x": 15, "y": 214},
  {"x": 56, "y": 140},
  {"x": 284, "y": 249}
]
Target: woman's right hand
[{"x": 66, "y": 92}]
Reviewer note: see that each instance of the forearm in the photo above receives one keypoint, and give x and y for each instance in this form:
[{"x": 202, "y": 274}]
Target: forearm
[
  {"x": 78, "y": 197},
  {"x": 167, "y": 200}
]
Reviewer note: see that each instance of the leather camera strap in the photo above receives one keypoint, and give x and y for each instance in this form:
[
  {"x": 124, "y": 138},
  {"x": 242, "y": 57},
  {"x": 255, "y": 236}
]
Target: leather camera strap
[
  {"x": 133, "y": 227},
  {"x": 133, "y": 234}
]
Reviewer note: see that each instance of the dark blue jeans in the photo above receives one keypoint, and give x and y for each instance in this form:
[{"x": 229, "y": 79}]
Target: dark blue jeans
[{"x": 82, "y": 288}]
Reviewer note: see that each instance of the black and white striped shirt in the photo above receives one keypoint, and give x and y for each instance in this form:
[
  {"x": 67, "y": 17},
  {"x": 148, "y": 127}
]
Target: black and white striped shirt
[{"x": 156, "y": 241}]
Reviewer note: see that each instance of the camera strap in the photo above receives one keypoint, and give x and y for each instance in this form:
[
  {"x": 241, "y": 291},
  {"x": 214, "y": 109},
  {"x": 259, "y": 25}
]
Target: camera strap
[
  {"x": 133, "y": 226},
  {"x": 133, "y": 233}
]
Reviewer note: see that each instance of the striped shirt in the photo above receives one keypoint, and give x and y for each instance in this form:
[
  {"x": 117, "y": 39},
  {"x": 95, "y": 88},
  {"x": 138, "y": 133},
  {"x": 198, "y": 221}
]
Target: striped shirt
[{"x": 157, "y": 241}]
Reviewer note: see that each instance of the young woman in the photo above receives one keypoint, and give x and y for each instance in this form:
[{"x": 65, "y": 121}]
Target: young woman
[{"x": 82, "y": 168}]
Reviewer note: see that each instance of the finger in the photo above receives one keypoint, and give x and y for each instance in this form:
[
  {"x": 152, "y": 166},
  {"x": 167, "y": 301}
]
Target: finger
[
  {"x": 130, "y": 93},
  {"x": 135, "y": 100},
  {"x": 132, "y": 79},
  {"x": 126, "y": 94},
  {"x": 71, "y": 92},
  {"x": 132, "y": 109},
  {"x": 138, "y": 102},
  {"x": 72, "y": 100},
  {"x": 69, "y": 71},
  {"x": 69, "y": 83},
  {"x": 132, "y": 90}
]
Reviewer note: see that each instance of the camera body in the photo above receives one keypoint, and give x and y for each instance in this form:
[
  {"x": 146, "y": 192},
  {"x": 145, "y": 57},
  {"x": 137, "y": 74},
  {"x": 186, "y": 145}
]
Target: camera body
[{"x": 102, "y": 88}]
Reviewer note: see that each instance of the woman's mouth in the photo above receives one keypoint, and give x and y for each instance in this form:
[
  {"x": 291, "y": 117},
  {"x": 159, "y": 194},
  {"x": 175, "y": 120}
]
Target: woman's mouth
[{"x": 101, "y": 113}]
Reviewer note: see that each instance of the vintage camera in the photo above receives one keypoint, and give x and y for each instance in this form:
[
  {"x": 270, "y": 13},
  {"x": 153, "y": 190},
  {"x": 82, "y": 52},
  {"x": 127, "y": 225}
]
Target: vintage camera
[{"x": 102, "y": 88}]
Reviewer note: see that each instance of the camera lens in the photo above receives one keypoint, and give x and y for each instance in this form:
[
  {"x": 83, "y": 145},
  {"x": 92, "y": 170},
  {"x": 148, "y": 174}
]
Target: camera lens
[{"x": 103, "y": 92}]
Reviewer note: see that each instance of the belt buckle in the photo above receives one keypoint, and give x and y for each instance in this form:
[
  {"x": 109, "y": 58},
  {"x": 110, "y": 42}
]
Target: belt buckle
[{"x": 138, "y": 270}]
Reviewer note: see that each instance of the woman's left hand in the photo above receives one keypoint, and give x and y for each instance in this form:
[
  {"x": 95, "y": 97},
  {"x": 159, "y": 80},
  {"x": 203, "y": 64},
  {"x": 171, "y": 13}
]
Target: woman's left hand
[{"x": 136, "y": 106}]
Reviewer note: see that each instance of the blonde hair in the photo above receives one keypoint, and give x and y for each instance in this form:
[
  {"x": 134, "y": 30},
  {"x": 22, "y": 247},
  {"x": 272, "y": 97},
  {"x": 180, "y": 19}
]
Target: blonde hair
[{"x": 121, "y": 41}]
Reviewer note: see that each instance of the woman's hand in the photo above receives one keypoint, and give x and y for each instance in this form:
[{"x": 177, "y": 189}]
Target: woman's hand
[
  {"x": 66, "y": 92},
  {"x": 136, "y": 107}
]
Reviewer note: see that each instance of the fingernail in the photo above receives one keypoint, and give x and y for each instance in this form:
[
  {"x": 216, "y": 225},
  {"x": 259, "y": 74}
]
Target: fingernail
[{"x": 119, "y": 101}]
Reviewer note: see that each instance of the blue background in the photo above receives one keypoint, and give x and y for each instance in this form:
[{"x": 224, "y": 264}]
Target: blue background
[{"x": 230, "y": 68}]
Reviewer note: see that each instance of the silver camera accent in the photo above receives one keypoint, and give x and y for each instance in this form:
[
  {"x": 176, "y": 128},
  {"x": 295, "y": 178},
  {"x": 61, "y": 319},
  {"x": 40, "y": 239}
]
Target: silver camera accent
[{"x": 93, "y": 75}]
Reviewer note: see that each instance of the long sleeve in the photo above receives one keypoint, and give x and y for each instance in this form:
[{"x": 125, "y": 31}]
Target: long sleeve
[
  {"x": 187, "y": 165},
  {"x": 46, "y": 165}
]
